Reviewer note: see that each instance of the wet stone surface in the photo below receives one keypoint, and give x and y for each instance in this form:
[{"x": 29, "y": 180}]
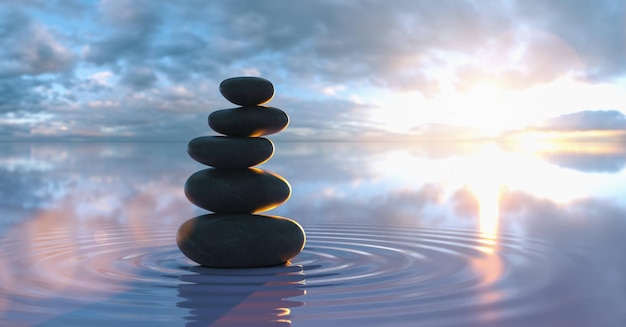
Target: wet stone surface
[
  {"x": 230, "y": 152},
  {"x": 243, "y": 190},
  {"x": 240, "y": 240},
  {"x": 247, "y": 91},
  {"x": 248, "y": 121}
]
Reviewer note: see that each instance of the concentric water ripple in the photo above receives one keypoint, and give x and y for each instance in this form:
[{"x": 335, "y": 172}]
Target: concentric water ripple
[
  {"x": 367, "y": 275},
  {"x": 347, "y": 274}
]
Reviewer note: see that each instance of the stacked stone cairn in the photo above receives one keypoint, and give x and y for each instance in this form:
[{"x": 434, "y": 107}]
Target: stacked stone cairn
[{"x": 235, "y": 235}]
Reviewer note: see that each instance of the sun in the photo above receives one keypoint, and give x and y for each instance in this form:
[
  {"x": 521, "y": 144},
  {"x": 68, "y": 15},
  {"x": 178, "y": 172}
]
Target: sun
[{"x": 485, "y": 106}]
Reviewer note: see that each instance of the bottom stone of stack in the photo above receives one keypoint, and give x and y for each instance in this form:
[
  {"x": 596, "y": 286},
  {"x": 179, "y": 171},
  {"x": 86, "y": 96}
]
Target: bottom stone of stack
[{"x": 240, "y": 240}]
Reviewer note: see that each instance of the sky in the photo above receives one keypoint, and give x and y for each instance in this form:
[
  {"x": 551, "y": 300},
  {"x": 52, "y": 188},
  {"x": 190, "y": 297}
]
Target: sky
[{"x": 150, "y": 70}]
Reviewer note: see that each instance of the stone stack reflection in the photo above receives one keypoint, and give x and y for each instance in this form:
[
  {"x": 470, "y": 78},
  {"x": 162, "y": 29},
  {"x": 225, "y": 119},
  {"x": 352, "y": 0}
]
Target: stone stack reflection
[{"x": 235, "y": 235}]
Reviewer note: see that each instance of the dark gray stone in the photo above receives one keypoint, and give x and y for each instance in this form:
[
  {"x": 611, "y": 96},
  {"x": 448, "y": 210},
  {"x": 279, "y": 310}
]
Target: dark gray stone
[
  {"x": 237, "y": 190},
  {"x": 248, "y": 121},
  {"x": 240, "y": 240},
  {"x": 247, "y": 91},
  {"x": 230, "y": 152}
]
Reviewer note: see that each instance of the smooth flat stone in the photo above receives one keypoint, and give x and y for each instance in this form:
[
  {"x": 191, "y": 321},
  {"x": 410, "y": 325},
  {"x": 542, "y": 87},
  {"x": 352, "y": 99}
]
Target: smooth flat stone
[
  {"x": 247, "y": 91},
  {"x": 240, "y": 190},
  {"x": 230, "y": 152},
  {"x": 248, "y": 121},
  {"x": 240, "y": 240}
]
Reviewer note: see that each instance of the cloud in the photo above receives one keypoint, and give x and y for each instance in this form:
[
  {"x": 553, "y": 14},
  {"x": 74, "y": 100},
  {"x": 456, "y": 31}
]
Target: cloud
[
  {"x": 133, "y": 24},
  {"x": 327, "y": 118},
  {"x": 376, "y": 43},
  {"x": 594, "y": 29},
  {"x": 20, "y": 93},
  {"x": 409, "y": 45},
  {"x": 152, "y": 48},
  {"x": 139, "y": 77},
  {"x": 29, "y": 48}
]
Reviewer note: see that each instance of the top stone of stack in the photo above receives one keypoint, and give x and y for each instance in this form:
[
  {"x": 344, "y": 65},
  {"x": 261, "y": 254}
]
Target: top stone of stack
[{"x": 247, "y": 91}]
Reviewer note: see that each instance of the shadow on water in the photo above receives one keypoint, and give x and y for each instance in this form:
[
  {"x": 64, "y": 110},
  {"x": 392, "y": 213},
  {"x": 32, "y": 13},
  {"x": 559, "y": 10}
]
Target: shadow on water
[{"x": 240, "y": 297}]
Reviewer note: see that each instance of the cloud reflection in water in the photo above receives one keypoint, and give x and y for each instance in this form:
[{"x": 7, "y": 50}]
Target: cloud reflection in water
[{"x": 87, "y": 223}]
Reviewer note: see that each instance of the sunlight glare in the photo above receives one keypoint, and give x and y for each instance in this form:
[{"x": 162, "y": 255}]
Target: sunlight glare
[
  {"x": 485, "y": 183},
  {"x": 486, "y": 108},
  {"x": 400, "y": 112}
]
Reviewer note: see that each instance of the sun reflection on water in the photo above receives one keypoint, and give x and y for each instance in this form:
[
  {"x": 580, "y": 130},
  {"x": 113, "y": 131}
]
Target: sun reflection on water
[
  {"x": 587, "y": 142},
  {"x": 92, "y": 234},
  {"x": 485, "y": 183}
]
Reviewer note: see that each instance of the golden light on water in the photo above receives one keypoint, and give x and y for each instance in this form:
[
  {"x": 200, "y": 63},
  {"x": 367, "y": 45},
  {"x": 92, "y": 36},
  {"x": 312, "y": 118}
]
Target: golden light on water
[
  {"x": 488, "y": 168},
  {"x": 588, "y": 142},
  {"x": 488, "y": 213},
  {"x": 485, "y": 183}
]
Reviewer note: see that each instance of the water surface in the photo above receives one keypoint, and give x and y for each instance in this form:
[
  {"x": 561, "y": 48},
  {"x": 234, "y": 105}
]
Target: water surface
[{"x": 428, "y": 234}]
